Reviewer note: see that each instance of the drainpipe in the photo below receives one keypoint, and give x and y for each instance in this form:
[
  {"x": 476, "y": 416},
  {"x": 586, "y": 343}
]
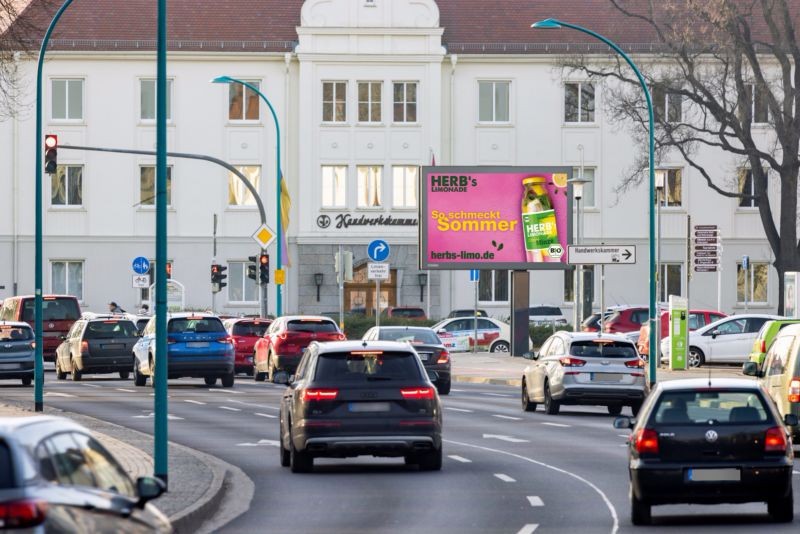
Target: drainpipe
[{"x": 15, "y": 188}]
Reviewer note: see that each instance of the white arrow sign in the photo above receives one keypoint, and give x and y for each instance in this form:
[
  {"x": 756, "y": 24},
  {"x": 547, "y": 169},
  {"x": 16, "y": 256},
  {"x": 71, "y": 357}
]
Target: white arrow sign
[
  {"x": 505, "y": 438},
  {"x": 601, "y": 254}
]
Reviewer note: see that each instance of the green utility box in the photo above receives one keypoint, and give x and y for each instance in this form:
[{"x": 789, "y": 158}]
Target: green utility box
[{"x": 678, "y": 330}]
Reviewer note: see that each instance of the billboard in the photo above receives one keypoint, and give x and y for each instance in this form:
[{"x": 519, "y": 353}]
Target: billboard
[{"x": 495, "y": 217}]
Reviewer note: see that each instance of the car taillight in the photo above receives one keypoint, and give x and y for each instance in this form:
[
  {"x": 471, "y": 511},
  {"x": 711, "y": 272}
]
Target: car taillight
[
  {"x": 444, "y": 356},
  {"x": 635, "y": 364},
  {"x": 763, "y": 345},
  {"x": 775, "y": 440},
  {"x": 319, "y": 394},
  {"x": 171, "y": 340},
  {"x": 84, "y": 346},
  {"x": 342, "y": 337},
  {"x": 646, "y": 441},
  {"x": 282, "y": 336},
  {"x": 22, "y": 514},
  {"x": 568, "y": 361},
  {"x": 794, "y": 389},
  {"x": 33, "y": 345},
  {"x": 417, "y": 393},
  {"x": 227, "y": 340}
]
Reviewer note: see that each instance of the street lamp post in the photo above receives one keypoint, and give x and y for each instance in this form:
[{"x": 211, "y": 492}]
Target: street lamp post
[
  {"x": 577, "y": 194},
  {"x": 556, "y": 24},
  {"x": 278, "y": 178}
]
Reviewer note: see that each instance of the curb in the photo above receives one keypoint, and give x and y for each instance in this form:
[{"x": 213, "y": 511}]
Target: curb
[{"x": 516, "y": 382}]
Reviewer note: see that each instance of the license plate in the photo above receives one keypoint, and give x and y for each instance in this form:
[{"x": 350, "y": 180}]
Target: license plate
[
  {"x": 606, "y": 377},
  {"x": 113, "y": 346},
  {"x": 197, "y": 344},
  {"x": 424, "y": 356},
  {"x": 714, "y": 475},
  {"x": 369, "y": 406},
  {"x": 9, "y": 366}
]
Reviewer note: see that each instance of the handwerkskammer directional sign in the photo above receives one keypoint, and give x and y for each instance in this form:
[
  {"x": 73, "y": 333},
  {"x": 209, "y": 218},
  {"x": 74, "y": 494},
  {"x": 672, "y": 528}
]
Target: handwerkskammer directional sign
[{"x": 601, "y": 254}]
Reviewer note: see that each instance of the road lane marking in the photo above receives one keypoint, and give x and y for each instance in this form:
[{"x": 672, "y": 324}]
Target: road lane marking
[
  {"x": 151, "y": 415},
  {"x": 498, "y": 394},
  {"x": 194, "y": 402},
  {"x": 624, "y": 435},
  {"x": 253, "y": 405},
  {"x": 126, "y": 390},
  {"x": 267, "y": 442},
  {"x": 505, "y": 438},
  {"x": 57, "y": 394},
  {"x": 507, "y": 417},
  {"x": 458, "y": 390},
  {"x": 230, "y": 409},
  {"x": 535, "y": 501},
  {"x": 224, "y": 390},
  {"x": 91, "y": 385},
  {"x": 560, "y": 425},
  {"x": 459, "y": 459},
  {"x": 266, "y": 415},
  {"x": 504, "y": 478},
  {"x": 603, "y": 496},
  {"x": 796, "y": 472},
  {"x": 458, "y": 409},
  {"x": 530, "y": 528}
]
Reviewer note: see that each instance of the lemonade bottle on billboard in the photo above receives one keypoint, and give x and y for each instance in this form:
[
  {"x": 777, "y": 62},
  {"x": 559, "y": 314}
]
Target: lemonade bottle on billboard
[{"x": 538, "y": 220}]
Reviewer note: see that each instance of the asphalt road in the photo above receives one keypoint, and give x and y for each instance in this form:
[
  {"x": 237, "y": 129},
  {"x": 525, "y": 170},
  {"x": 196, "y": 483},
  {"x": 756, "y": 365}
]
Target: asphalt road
[{"x": 504, "y": 471}]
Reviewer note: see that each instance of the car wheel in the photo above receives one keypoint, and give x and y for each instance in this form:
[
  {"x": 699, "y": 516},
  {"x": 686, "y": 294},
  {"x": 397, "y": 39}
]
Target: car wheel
[
  {"x": 551, "y": 406},
  {"x": 527, "y": 405},
  {"x": 500, "y": 346},
  {"x": 210, "y": 380},
  {"x": 227, "y": 380},
  {"x": 696, "y": 357},
  {"x": 76, "y": 373},
  {"x": 782, "y": 510},
  {"x": 27, "y": 381},
  {"x": 60, "y": 375},
  {"x": 259, "y": 377},
  {"x": 286, "y": 458},
  {"x": 615, "y": 409},
  {"x": 443, "y": 388},
  {"x": 300, "y": 462},
  {"x": 635, "y": 407},
  {"x": 640, "y": 511},
  {"x": 431, "y": 460},
  {"x": 123, "y": 375},
  {"x": 138, "y": 378}
]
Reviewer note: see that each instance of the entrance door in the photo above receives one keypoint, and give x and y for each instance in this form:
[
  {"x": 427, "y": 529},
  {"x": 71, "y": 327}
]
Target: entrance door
[{"x": 359, "y": 295}]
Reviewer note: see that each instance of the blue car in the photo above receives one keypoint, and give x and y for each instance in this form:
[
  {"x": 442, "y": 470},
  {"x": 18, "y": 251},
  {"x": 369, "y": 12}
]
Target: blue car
[
  {"x": 197, "y": 346},
  {"x": 16, "y": 351}
]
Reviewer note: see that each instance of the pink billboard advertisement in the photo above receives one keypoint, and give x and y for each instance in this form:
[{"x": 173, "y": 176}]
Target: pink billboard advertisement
[{"x": 495, "y": 217}]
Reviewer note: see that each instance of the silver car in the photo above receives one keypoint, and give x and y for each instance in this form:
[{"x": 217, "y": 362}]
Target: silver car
[
  {"x": 16, "y": 351},
  {"x": 584, "y": 368}
]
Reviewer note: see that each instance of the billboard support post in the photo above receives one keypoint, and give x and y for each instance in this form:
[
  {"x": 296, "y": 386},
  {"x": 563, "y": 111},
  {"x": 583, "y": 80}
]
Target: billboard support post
[{"x": 520, "y": 322}]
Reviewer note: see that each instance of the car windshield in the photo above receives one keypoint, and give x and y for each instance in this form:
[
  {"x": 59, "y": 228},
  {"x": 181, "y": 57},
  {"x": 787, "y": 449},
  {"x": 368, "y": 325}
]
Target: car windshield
[
  {"x": 710, "y": 406},
  {"x": 15, "y": 333},
  {"x": 305, "y": 325},
  {"x": 408, "y": 312},
  {"x": 195, "y": 325},
  {"x": 365, "y": 366},
  {"x": 53, "y": 309},
  {"x": 544, "y": 310},
  {"x": 411, "y": 335},
  {"x": 109, "y": 329},
  {"x": 250, "y": 329},
  {"x": 603, "y": 349}
]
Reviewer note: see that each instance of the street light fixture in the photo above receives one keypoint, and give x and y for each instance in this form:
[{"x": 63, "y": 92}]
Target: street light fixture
[
  {"x": 577, "y": 194},
  {"x": 423, "y": 280},
  {"x": 278, "y": 179},
  {"x": 552, "y": 23},
  {"x": 318, "y": 280}
]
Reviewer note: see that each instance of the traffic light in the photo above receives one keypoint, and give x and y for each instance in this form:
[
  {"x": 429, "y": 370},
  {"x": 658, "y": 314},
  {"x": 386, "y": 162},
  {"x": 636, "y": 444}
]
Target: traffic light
[
  {"x": 50, "y": 153},
  {"x": 217, "y": 277},
  {"x": 263, "y": 268},
  {"x": 252, "y": 273}
]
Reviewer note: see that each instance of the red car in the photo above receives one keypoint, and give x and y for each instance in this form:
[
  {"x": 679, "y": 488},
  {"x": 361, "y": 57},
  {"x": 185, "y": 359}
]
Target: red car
[
  {"x": 697, "y": 319},
  {"x": 59, "y": 313},
  {"x": 629, "y": 319},
  {"x": 245, "y": 332},
  {"x": 287, "y": 337}
]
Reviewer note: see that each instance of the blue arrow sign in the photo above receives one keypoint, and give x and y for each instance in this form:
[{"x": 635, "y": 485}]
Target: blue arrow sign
[
  {"x": 378, "y": 250},
  {"x": 141, "y": 265}
]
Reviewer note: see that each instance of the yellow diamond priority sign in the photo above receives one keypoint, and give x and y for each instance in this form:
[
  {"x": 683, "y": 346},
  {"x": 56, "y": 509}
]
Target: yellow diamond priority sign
[{"x": 264, "y": 236}]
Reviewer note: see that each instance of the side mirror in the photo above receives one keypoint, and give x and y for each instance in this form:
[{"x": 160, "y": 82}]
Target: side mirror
[
  {"x": 149, "y": 488},
  {"x": 528, "y": 355},
  {"x": 714, "y": 334},
  {"x": 790, "y": 419},
  {"x": 751, "y": 369},
  {"x": 622, "y": 423}
]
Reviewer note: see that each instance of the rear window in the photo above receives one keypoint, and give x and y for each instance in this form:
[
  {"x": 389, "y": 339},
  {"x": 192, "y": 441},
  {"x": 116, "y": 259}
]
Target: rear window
[
  {"x": 711, "y": 406},
  {"x": 408, "y": 312},
  {"x": 300, "y": 325},
  {"x": 367, "y": 366},
  {"x": 195, "y": 325},
  {"x": 544, "y": 310},
  {"x": 109, "y": 329},
  {"x": 56, "y": 309},
  {"x": 251, "y": 329},
  {"x": 6, "y": 467},
  {"x": 15, "y": 333},
  {"x": 411, "y": 335},
  {"x": 609, "y": 349}
]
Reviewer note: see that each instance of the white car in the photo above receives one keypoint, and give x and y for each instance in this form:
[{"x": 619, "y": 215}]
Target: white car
[
  {"x": 458, "y": 334},
  {"x": 727, "y": 340}
]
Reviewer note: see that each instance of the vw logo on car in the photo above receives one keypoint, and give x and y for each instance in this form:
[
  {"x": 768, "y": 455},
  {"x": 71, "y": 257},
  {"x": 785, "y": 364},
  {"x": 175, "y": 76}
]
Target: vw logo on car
[{"x": 711, "y": 436}]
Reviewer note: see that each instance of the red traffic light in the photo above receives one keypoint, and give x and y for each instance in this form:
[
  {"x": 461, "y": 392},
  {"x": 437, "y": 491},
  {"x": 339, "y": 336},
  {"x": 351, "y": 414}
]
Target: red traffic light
[
  {"x": 263, "y": 259},
  {"x": 50, "y": 154},
  {"x": 51, "y": 141}
]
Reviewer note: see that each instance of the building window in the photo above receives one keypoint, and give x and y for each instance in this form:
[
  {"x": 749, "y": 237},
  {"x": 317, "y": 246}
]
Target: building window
[
  {"x": 67, "y": 278},
  {"x": 67, "y": 99},
  {"x": 243, "y": 104},
  {"x": 579, "y": 102},
  {"x": 747, "y": 186},
  {"x": 404, "y": 186},
  {"x": 667, "y": 106},
  {"x": 369, "y": 186},
  {"x": 493, "y": 101},
  {"x": 66, "y": 186},
  {"x": 334, "y": 179},
  {"x": 147, "y": 100},
  {"x": 669, "y": 280},
  {"x": 493, "y": 286},
  {"x": 671, "y": 195},
  {"x": 147, "y": 185},
  {"x": 240, "y": 287},
  {"x": 757, "y": 101},
  {"x": 587, "y": 200},
  {"x": 238, "y": 193},
  {"x": 405, "y": 102},
  {"x": 569, "y": 282},
  {"x": 369, "y": 101},
  {"x": 757, "y": 277},
  {"x": 334, "y": 101}
]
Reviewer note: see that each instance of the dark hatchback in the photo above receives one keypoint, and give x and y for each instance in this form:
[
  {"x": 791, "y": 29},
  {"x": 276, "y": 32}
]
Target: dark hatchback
[
  {"x": 429, "y": 347},
  {"x": 97, "y": 345},
  {"x": 701, "y": 441},
  {"x": 354, "y": 398}
]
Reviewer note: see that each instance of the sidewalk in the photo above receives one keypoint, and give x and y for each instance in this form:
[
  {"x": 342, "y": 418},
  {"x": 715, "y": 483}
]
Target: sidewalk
[
  {"x": 197, "y": 481},
  {"x": 500, "y": 368}
]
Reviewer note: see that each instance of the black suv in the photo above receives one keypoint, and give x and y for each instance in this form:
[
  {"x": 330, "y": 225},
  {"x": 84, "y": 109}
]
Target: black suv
[
  {"x": 353, "y": 398},
  {"x": 97, "y": 344}
]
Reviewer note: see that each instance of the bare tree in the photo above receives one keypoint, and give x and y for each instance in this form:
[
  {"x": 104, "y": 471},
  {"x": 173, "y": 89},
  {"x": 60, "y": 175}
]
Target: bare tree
[{"x": 718, "y": 68}]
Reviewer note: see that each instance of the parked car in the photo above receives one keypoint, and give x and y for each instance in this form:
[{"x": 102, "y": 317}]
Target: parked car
[
  {"x": 284, "y": 341},
  {"x": 426, "y": 343},
  {"x": 626, "y": 319},
  {"x": 17, "y": 351},
  {"x": 697, "y": 319},
  {"x": 59, "y": 312},
  {"x": 57, "y": 478},
  {"x": 245, "y": 332},
  {"x": 546, "y": 315},
  {"x": 467, "y": 312},
  {"x": 101, "y": 344},
  {"x": 353, "y": 398},
  {"x": 766, "y": 335},
  {"x": 709, "y": 441},
  {"x": 139, "y": 320},
  {"x": 458, "y": 335},
  {"x": 197, "y": 346},
  {"x": 404, "y": 312},
  {"x": 725, "y": 341},
  {"x": 582, "y": 368},
  {"x": 780, "y": 373},
  {"x": 592, "y": 323}
]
